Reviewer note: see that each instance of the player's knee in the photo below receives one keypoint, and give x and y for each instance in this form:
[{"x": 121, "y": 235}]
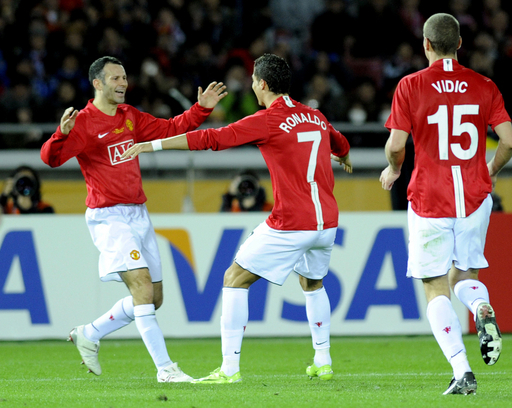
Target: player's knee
[
  {"x": 158, "y": 303},
  {"x": 238, "y": 277},
  {"x": 310, "y": 285}
]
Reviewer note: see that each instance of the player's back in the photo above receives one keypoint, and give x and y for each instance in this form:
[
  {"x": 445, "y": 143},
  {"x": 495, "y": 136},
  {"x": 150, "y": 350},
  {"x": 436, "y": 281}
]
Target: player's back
[
  {"x": 450, "y": 109},
  {"x": 297, "y": 153}
]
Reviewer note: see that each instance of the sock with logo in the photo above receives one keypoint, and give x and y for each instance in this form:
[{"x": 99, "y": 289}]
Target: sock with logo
[
  {"x": 235, "y": 314},
  {"x": 471, "y": 293},
  {"x": 318, "y": 311},
  {"x": 119, "y": 316},
  {"x": 446, "y": 328},
  {"x": 147, "y": 325}
]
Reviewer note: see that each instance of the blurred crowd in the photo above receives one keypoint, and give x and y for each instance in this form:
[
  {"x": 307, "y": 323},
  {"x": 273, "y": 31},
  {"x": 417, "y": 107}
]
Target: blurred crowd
[{"x": 347, "y": 55}]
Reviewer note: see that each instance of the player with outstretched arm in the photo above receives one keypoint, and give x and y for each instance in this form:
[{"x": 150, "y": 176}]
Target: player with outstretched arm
[
  {"x": 447, "y": 109},
  {"x": 116, "y": 214},
  {"x": 296, "y": 142}
]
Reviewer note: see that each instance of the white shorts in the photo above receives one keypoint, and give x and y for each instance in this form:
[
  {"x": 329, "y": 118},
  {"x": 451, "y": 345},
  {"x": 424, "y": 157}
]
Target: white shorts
[
  {"x": 434, "y": 243},
  {"x": 126, "y": 240},
  {"x": 274, "y": 254}
]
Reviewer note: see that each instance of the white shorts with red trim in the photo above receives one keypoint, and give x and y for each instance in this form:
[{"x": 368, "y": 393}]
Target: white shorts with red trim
[
  {"x": 125, "y": 237},
  {"x": 274, "y": 254},
  {"x": 434, "y": 243}
]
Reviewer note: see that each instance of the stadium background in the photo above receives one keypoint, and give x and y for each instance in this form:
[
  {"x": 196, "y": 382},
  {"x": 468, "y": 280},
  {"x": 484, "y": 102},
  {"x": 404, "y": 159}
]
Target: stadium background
[{"x": 347, "y": 57}]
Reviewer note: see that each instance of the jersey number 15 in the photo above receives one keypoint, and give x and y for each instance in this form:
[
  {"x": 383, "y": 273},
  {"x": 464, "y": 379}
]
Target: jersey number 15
[{"x": 441, "y": 119}]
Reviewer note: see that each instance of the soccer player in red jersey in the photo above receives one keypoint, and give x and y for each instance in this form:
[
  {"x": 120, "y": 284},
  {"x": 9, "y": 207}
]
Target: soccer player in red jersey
[
  {"x": 116, "y": 215},
  {"x": 296, "y": 142},
  {"x": 447, "y": 109}
]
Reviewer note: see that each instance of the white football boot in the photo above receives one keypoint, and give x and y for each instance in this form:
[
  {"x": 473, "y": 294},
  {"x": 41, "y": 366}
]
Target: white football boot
[{"x": 87, "y": 348}]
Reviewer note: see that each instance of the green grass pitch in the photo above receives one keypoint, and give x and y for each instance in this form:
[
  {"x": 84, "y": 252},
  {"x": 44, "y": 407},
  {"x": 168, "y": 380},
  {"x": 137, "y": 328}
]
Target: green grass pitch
[{"x": 369, "y": 372}]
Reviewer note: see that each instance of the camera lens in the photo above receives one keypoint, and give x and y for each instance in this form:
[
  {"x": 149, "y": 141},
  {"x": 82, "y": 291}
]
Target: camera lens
[
  {"x": 247, "y": 187},
  {"x": 25, "y": 186}
]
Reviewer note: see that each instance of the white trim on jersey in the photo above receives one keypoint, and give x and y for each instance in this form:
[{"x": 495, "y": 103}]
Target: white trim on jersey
[
  {"x": 447, "y": 64},
  {"x": 318, "y": 207},
  {"x": 288, "y": 101},
  {"x": 315, "y": 137},
  {"x": 458, "y": 186}
]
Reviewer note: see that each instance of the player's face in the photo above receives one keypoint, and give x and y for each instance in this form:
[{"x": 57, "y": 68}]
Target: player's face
[
  {"x": 257, "y": 89},
  {"x": 114, "y": 89}
]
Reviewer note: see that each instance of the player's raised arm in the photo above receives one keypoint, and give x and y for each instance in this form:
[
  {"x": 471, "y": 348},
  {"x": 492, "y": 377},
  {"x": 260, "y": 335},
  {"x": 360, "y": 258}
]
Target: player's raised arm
[
  {"x": 67, "y": 122},
  {"x": 212, "y": 94},
  {"x": 171, "y": 143}
]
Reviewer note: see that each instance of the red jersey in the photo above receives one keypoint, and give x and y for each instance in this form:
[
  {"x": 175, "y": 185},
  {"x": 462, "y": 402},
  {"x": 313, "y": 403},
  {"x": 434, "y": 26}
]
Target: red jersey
[
  {"x": 296, "y": 142},
  {"x": 98, "y": 140},
  {"x": 447, "y": 108}
]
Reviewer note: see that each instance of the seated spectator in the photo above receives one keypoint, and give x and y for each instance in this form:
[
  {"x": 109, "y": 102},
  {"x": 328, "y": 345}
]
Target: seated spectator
[
  {"x": 22, "y": 193},
  {"x": 245, "y": 194}
]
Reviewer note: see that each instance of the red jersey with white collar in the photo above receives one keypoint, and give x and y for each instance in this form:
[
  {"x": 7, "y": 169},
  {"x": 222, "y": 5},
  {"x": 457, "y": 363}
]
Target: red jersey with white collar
[
  {"x": 296, "y": 142},
  {"x": 98, "y": 140},
  {"x": 447, "y": 108}
]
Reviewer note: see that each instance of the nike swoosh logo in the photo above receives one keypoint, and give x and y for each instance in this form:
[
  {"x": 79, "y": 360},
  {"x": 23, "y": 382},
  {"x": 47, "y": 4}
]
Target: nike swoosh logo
[
  {"x": 323, "y": 342},
  {"x": 103, "y": 135},
  {"x": 237, "y": 352}
]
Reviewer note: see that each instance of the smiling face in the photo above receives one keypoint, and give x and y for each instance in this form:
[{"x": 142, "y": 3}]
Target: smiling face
[{"x": 112, "y": 89}]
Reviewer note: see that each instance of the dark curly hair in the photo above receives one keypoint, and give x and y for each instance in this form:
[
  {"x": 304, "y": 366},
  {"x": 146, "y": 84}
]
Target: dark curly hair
[{"x": 275, "y": 71}]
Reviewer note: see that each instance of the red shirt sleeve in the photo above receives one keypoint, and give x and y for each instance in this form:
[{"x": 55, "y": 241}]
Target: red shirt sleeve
[
  {"x": 59, "y": 148},
  {"x": 155, "y": 128},
  {"x": 339, "y": 143},
  {"x": 249, "y": 130},
  {"x": 498, "y": 113},
  {"x": 400, "y": 117}
]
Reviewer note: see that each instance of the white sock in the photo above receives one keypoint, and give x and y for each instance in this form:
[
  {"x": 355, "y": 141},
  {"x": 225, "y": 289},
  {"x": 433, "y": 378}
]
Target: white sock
[
  {"x": 471, "y": 293},
  {"x": 147, "y": 325},
  {"x": 446, "y": 328},
  {"x": 119, "y": 316},
  {"x": 318, "y": 310},
  {"x": 235, "y": 314}
]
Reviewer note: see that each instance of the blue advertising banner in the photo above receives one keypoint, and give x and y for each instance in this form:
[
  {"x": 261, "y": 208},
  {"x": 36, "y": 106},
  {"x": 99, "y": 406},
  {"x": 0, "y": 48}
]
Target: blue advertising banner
[{"x": 49, "y": 278}]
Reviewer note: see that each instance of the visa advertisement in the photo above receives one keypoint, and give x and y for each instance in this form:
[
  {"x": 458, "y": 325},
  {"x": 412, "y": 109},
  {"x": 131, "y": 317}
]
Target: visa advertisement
[{"x": 49, "y": 279}]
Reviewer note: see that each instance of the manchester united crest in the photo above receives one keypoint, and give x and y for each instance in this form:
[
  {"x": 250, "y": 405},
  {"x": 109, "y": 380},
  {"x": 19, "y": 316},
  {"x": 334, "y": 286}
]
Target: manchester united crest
[
  {"x": 129, "y": 124},
  {"x": 135, "y": 255}
]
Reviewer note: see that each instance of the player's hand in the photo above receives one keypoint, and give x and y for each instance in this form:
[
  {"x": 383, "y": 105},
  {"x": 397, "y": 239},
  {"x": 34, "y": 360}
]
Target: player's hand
[
  {"x": 343, "y": 161},
  {"x": 388, "y": 177},
  {"x": 137, "y": 149},
  {"x": 212, "y": 95},
  {"x": 494, "y": 179},
  {"x": 67, "y": 122}
]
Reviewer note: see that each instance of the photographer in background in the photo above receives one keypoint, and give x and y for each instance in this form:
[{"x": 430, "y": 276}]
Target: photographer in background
[
  {"x": 245, "y": 194},
  {"x": 22, "y": 193}
]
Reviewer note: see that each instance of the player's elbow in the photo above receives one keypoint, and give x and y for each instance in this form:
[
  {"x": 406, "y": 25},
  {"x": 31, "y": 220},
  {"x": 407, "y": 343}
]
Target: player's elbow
[{"x": 504, "y": 132}]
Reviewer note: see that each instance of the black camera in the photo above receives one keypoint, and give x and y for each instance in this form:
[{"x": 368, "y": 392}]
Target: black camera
[
  {"x": 248, "y": 186},
  {"x": 25, "y": 186}
]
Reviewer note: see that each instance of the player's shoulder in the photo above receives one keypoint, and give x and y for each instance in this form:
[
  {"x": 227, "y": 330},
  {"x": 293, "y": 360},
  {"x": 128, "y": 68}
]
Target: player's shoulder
[
  {"x": 476, "y": 75},
  {"x": 290, "y": 106},
  {"x": 124, "y": 108},
  {"x": 414, "y": 76}
]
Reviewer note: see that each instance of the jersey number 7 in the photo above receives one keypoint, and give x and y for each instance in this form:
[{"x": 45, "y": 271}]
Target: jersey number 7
[{"x": 315, "y": 137}]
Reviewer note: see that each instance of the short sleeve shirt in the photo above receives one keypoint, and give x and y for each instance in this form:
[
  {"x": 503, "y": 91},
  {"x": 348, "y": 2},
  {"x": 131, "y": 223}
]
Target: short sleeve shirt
[{"x": 447, "y": 109}]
